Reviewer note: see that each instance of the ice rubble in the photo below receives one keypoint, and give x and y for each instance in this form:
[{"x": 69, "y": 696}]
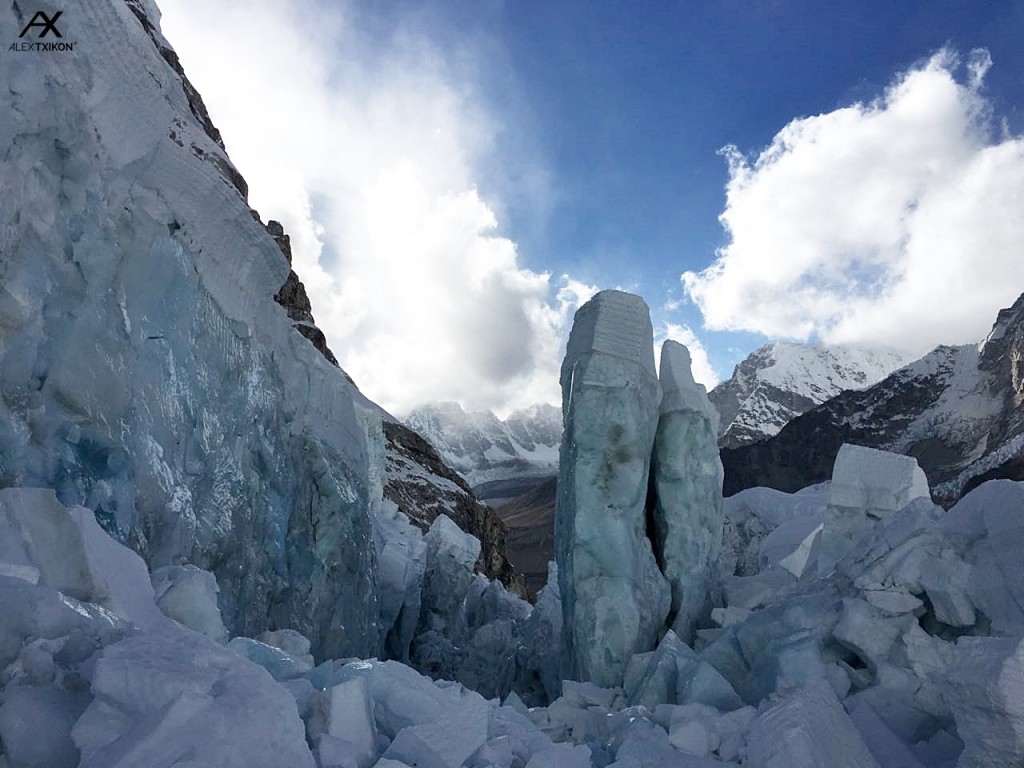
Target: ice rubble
[
  {"x": 87, "y": 686},
  {"x": 856, "y": 668},
  {"x": 867, "y": 485}
]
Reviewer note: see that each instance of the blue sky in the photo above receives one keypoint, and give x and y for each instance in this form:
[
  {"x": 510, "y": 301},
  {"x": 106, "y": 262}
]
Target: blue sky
[{"x": 520, "y": 142}]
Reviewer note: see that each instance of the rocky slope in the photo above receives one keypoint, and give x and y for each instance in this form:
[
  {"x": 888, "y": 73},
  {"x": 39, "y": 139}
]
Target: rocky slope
[
  {"x": 499, "y": 459},
  {"x": 779, "y": 381},
  {"x": 423, "y": 487},
  {"x": 530, "y": 521},
  {"x": 957, "y": 410}
]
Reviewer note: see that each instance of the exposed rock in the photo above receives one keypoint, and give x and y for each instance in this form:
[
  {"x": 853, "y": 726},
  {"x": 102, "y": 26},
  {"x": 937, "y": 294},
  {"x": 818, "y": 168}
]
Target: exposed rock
[
  {"x": 292, "y": 296},
  {"x": 423, "y": 487},
  {"x": 779, "y": 381},
  {"x": 530, "y": 521}
]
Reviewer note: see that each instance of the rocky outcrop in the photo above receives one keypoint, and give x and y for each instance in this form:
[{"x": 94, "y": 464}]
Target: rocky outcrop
[
  {"x": 292, "y": 296},
  {"x": 423, "y": 487},
  {"x": 1002, "y": 356},
  {"x": 530, "y": 521}
]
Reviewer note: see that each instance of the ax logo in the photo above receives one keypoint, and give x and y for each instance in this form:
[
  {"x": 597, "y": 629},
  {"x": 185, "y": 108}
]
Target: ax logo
[{"x": 49, "y": 24}]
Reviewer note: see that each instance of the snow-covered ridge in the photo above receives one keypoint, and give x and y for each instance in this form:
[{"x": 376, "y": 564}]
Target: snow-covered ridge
[
  {"x": 957, "y": 410},
  {"x": 483, "y": 448},
  {"x": 779, "y": 381}
]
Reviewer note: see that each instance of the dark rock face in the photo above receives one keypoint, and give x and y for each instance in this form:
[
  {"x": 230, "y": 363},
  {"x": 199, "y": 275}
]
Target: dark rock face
[
  {"x": 959, "y": 411},
  {"x": 423, "y": 487},
  {"x": 293, "y": 298},
  {"x": 1002, "y": 355},
  {"x": 728, "y": 399},
  {"x": 778, "y": 382},
  {"x": 530, "y": 520}
]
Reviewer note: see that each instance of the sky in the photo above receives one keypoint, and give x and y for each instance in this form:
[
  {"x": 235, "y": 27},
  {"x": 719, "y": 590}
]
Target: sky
[{"x": 458, "y": 177}]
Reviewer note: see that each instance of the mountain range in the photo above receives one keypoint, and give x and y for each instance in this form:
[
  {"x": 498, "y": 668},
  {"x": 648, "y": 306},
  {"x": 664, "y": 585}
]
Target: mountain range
[
  {"x": 777, "y": 382},
  {"x": 500, "y": 459},
  {"x": 785, "y": 412},
  {"x": 957, "y": 410}
]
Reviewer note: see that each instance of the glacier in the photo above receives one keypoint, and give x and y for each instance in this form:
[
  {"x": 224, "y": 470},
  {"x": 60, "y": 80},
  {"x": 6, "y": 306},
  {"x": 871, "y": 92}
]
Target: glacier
[
  {"x": 200, "y": 564},
  {"x": 854, "y": 668}
]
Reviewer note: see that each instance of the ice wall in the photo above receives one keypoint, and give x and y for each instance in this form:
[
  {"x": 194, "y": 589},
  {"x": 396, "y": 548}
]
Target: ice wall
[
  {"x": 145, "y": 370},
  {"x": 686, "y": 478},
  {"x": 614, "y": 598}
]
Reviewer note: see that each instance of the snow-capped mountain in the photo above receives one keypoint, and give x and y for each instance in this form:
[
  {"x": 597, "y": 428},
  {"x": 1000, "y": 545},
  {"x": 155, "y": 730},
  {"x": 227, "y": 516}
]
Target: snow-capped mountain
[
  {"x": 957, "y": 410},
  {"x": 779, "y": 381},
  {"x": 500, "y": 459}
]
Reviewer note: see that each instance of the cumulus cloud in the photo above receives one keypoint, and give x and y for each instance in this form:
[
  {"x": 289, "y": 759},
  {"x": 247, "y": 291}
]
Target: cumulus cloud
[
  {"x": 368, "y": 147},
  {"x": 893, "y": 223},
  {"x": 703, "y": 372}
]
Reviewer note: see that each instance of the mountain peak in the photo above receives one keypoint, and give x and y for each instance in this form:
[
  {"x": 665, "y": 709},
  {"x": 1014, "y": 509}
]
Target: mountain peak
[
  {"x": 958, "y": 410},
  {"x": 781, "y": 380},
  {"x": 485, "y": 450}
]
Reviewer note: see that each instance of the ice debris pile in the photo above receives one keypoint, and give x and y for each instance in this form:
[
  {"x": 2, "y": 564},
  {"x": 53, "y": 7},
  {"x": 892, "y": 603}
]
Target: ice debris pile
[
  {"x": 908, "y": 653},
  {"x": 905, "y": 652}
]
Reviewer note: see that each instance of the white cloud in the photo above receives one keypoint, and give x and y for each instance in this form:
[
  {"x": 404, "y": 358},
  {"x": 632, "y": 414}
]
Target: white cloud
[
  {"x": 368, "y": 149},
  {"x": 703, "y": 372},
  {"x": 896, "y": 223}
]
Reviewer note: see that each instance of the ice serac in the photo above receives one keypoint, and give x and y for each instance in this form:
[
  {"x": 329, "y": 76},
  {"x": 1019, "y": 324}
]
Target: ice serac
[
  {"x": 146, "y": 372},
  {"x": 614, "y": 598},
  {"x": 687, "y": 482},
  {"x": 867, "y": 485}
]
